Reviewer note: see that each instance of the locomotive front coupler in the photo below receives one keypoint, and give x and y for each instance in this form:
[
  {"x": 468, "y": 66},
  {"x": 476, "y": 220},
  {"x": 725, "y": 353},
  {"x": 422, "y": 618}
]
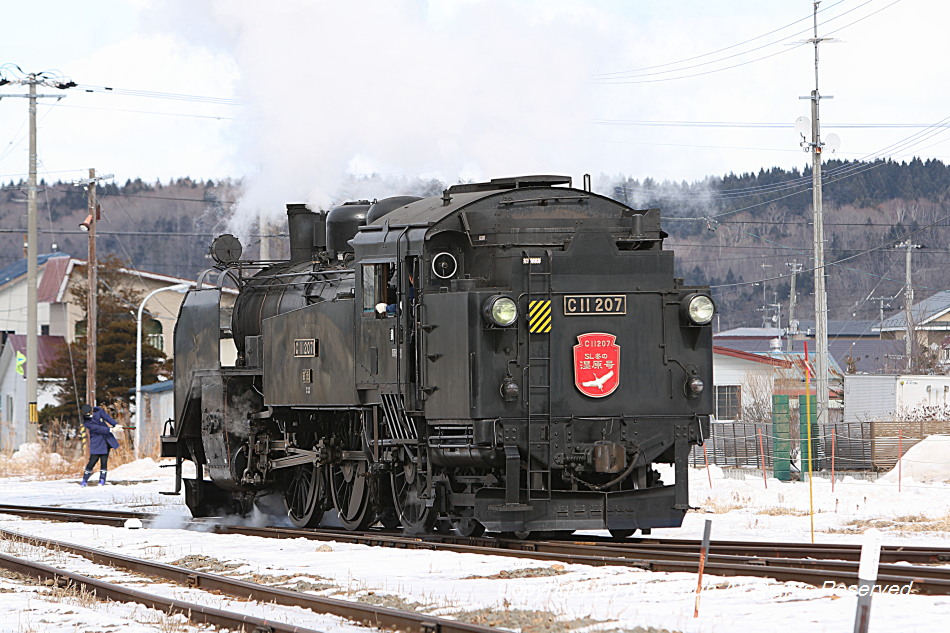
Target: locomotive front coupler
[{"x": 600, "y": 457}]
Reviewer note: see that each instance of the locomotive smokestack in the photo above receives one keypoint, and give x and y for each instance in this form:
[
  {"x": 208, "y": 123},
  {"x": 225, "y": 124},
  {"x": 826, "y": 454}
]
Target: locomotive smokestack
[
  {"x": 300, "y": 222},
  {"x": 320, "y": 232}
]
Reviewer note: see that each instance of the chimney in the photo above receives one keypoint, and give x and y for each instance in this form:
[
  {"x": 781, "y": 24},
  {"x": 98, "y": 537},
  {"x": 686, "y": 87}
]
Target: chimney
[{"x": 300, "y": 223}]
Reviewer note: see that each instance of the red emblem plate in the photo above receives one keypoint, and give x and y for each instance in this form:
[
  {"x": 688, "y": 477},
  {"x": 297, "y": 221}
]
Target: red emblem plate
[{"x": 596, "y": 364}]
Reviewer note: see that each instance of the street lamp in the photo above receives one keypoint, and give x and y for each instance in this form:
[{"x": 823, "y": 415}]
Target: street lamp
[{"x": 180, "y": 289}]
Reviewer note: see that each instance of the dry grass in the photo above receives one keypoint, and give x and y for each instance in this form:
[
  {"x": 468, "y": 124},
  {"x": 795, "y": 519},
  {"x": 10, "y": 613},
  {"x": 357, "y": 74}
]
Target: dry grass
[
  {"x": 524, "y": 620},
  {"x": 61, "y": 454},
  {"x": 906, "y": 523},
  {"x": 525, "y": 572},
  {"x": 777, "y": 511}
]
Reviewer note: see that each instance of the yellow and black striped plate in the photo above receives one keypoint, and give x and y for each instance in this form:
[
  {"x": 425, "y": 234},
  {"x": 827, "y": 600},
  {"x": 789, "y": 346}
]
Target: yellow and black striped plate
[{"x": 539, "y": 317}]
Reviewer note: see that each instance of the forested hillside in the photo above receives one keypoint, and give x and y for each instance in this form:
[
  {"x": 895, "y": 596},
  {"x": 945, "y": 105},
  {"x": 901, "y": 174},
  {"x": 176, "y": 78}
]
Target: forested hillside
[
  {"x": 739, "y": 233},
  {"x": 162, "y": 228}
]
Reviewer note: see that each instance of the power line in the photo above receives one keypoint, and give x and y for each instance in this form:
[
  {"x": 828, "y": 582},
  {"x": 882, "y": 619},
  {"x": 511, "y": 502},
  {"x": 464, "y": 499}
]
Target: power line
[
  {"x": 638, "y": 78},
  {"x": 150, "y": 94}
]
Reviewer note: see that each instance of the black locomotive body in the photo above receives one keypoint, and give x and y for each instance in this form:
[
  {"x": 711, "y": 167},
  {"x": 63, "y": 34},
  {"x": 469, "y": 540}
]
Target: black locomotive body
[{"x": 512, "y": 356}]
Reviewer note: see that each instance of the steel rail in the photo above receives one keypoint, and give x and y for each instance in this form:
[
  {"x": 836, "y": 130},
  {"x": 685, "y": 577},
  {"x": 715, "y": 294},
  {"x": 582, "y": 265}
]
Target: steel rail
[
  {"x": 366, "y": 614},
  {"x": 929, "y": 580},
  {"x": 837, "y": 551},
  {"x": 657, "y": 557},
  {"x": 196, "y": 613}
]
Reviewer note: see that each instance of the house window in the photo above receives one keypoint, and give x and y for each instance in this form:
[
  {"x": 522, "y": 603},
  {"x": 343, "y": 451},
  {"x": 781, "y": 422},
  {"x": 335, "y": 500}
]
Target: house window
[
  {"x": 155, "y": 340},
  {"x": 153, "y": 334},
  {"x": 728, "y": 402}
]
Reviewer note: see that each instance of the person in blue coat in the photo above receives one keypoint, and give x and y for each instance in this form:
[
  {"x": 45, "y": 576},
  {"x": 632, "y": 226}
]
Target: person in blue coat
[{"x": 101, "y": 441}]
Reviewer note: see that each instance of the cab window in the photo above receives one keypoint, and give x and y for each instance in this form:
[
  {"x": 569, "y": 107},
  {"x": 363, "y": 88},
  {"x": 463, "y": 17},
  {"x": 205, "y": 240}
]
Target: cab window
[{"x": 378, "y": 286}]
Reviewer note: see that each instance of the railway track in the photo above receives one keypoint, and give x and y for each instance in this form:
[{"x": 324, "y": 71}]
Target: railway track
[
  {"x": 812, "y": 564},
  {"x": 365, "y": 614}
]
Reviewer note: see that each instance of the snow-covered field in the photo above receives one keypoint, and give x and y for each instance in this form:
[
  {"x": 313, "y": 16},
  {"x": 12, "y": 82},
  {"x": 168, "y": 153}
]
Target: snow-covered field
[{"x": 520, "y": 592}]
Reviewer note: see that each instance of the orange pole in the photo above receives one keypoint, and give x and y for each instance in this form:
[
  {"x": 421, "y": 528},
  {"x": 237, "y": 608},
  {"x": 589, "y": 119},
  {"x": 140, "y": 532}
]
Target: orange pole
[
  {"x": 833, "y": 436},
  {"x": 704, "y": 549},
  {"x": 900, "y": 457},
  {"x": 706, "y": 459},
  {"x": 762, "y": 458}
]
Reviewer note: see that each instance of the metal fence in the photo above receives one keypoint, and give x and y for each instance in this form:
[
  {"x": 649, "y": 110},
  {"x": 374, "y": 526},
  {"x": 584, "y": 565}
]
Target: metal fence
[{"x": 747, "y": 444}]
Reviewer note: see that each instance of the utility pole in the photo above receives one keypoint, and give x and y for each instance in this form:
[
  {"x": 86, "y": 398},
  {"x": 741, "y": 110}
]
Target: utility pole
[
  {"x": 763, "y": 267},
  {"x": 792, "y": 300},
  {"x": 821, "y": 296},
  {"x": 882, "y": 303},
  {"x": 911, "y": 335},
  {"x": 92, "y": 296},
  {"x": 32, "y": 327}
]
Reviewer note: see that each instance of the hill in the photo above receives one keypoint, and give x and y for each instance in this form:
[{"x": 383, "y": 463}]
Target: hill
[{"x": 738, "y": 233}]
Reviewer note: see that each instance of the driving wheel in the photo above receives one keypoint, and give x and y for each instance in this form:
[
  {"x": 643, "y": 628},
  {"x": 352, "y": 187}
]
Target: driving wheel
[
  {"x": 305, "y": 495},
  {"x": 409, "y": 486},
  {"x": 351, "y": 494}
]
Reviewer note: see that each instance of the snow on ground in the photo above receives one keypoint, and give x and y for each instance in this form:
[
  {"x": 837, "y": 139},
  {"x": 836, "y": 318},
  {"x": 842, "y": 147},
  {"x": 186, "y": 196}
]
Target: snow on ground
[{"x": 584, "y": 598}]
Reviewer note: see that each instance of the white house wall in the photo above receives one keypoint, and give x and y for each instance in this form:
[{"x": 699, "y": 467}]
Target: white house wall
[
  {"x": 13, "y": 419},
  {"x": 13, "y": 308},
  {"x": 728, "y": 370}
]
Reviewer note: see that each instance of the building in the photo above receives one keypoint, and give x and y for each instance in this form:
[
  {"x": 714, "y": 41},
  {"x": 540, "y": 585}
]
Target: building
[
  {"x": 158, "y": 406},
  {"x": 57, "y": 315},
  {"x": 13, "y": 419},
  {"x": 931, "y": 321},
  {"x": 746, "y": 381},
  {"x": 895, "y": 397},
  {"x": 855, "y": 346},
  {"x": 60, "y": 320}
]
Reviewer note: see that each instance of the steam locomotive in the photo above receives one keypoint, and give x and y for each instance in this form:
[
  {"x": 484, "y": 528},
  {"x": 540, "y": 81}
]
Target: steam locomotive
[{"x": 512, "y": 356}]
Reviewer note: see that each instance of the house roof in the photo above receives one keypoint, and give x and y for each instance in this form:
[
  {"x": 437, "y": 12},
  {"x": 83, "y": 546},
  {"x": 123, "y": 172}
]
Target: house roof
[
  {"x": 923, "y": 313},
  {"x": 19, "y": 269},
  {"x": 159, "y": 387},
  {"x": 838, "y": 329},
  {"x": 53, "y": 282},
  {"x": 871, "y": 356},
  {"x": 55, "y": 288},
  {"x": 48, "y": 347},
  {"x": 752, "y": 332},
  {"x": 755, "y": 358}
]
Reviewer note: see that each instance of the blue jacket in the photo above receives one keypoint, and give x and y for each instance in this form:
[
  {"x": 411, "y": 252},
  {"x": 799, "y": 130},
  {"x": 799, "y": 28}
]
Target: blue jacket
[{"x": 99, "y": 426}]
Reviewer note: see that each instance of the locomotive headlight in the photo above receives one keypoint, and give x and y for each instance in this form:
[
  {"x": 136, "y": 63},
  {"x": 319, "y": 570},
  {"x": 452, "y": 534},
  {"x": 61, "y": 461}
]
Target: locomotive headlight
[
  {"x": 696, "y": 386},
  {"x": 500, "y": 310},
  {"x": 698, "y": 309}
]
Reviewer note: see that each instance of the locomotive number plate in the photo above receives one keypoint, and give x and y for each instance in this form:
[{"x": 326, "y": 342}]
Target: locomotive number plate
[
  {"x": 594, "y": 305},
  {"x": 305, "y": 347}
]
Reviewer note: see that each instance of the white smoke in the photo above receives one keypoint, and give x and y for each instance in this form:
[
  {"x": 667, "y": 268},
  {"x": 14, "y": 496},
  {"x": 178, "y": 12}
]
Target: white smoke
[{"x": 406, "y": 90}]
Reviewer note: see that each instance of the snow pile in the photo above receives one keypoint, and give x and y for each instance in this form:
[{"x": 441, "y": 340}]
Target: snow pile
[
  {"x": 928, "y": 461},
  {"x": 32, "y": 459},
  {"x": 146, "y": 468}
]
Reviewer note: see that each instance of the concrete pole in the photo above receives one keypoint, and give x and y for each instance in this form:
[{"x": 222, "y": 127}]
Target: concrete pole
[
  {"x": 792, "y": 300},
  {"x": 911, "y": 335},
  {"x": 32, "y": 244},
  {"x": 92, "y": 312},
  {"x": 821, "y": 296}
]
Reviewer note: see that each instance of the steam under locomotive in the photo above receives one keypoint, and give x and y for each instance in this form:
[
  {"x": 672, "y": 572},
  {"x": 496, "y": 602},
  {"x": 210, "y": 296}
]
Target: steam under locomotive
[{"x": 513, "y": 356}]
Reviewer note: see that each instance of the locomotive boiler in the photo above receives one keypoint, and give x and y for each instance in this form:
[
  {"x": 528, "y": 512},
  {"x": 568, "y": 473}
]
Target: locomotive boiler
[{"x": 512, "y": 356}]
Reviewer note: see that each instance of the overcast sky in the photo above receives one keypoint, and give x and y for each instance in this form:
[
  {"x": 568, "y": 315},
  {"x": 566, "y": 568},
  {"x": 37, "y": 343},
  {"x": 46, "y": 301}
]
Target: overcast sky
[{"x": 296, "y": 97}]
